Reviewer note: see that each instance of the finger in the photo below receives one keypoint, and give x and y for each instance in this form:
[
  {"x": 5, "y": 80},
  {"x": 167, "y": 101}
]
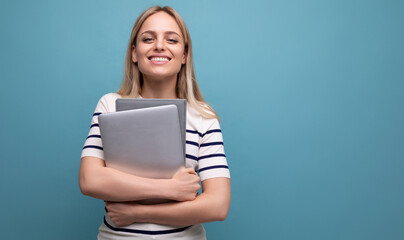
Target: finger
[{"x": 190, "y": 170}]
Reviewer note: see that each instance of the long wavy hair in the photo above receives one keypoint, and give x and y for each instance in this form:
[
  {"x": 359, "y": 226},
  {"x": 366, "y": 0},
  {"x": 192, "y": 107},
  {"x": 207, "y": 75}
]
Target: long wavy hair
[{"x": 186, "y": 87}]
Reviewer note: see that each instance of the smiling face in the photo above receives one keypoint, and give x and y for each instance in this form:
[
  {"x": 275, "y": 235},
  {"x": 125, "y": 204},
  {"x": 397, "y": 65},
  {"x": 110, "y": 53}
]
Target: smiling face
[{"x": 159, "y": 50}]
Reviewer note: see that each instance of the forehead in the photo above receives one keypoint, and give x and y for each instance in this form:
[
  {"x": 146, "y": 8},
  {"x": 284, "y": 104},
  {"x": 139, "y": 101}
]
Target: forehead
[{"x": 160, "y": 22}]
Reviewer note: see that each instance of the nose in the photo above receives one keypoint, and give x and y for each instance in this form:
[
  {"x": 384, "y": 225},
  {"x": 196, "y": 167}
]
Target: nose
[{"x": 159, "y": 46}]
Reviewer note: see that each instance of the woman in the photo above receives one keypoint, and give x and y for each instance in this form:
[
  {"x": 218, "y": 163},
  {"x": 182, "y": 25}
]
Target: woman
[{"x": 159, "y": 64}]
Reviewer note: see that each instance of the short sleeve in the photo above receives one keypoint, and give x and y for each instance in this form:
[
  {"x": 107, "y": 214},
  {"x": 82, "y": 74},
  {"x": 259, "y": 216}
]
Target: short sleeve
[
  {"x": 93, "y": 144},
  {"x": 212, "y": 159}
]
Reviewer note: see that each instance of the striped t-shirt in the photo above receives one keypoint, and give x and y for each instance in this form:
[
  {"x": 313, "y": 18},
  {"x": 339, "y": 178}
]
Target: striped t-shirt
[{"x": 204, "y": 153}]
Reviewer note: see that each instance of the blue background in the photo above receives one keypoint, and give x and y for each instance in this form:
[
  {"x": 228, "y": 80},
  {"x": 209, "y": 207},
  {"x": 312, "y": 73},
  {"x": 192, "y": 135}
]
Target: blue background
[{"x": 310, "y": 95}]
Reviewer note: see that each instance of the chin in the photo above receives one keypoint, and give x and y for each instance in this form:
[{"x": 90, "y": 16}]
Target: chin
[{"x": 160, "y": 76}]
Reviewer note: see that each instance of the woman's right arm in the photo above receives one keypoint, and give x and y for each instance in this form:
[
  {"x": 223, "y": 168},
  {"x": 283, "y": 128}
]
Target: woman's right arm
[{"x": 98, "y": 181}]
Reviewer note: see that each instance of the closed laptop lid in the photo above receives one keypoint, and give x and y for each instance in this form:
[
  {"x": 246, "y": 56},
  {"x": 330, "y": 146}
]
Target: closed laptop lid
[
  {"x": 123, "y": 104},
  {"x": 145, "y": 142}
]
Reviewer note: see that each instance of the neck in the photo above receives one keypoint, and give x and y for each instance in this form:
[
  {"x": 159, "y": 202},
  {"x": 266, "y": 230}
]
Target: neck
[{"x": 159, "y": 88}]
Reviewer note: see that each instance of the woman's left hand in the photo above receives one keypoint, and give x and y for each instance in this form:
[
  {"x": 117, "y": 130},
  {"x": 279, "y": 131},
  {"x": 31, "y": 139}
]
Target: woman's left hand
[{"x": 121, "y": 213}]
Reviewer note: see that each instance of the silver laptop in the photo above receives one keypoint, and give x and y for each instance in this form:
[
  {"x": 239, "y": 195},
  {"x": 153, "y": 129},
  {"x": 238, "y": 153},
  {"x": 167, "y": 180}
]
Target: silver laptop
[
  {"x": 145, "y": 142},
  {"x": 123, "y": 104}
]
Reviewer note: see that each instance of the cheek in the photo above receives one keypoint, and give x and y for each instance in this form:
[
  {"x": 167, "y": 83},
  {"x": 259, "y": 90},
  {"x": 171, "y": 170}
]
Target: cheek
[
  {"x": 141, "y": 51},
  {"x": 180, "y": 54},
  {"x": 141, "y": 66},
  {"x": 140, "y": 55},
  {"x": 141, "y": 60}
]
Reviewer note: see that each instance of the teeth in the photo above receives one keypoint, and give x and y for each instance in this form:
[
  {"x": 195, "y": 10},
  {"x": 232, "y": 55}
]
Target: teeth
[{"x": 159, "y": 59}]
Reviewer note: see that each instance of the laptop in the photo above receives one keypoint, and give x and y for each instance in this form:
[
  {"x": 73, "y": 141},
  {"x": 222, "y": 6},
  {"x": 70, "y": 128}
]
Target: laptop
[
  {"x": 123, "y": 104},
  {"x": 145, "y": 142}
]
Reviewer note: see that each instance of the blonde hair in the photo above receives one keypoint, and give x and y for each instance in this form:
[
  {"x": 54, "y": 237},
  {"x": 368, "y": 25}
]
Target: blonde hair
[{"x": 186, "y": 87}]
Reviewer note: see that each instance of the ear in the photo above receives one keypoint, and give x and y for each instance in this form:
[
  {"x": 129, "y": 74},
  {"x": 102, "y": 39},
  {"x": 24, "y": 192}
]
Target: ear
[
  {"x": 134, "y": 58},
  {"x": 184, "y": 57}
]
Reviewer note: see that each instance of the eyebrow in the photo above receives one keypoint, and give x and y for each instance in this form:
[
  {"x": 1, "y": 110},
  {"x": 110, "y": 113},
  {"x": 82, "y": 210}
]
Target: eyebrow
[{"x": 166, "y": 33}]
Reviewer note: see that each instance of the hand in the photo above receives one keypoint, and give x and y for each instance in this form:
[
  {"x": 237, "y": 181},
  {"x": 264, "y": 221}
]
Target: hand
[
  {"x": 121, "y": 213},
  {"x": 186, "y": 184}
]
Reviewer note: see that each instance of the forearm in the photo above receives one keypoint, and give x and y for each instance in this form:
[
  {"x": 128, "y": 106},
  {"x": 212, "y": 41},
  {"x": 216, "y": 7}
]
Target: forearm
[
  {"x": 211, "y": 205},
  {"x": 109, "y": 184},
  {"x": 183, "y": 213}
]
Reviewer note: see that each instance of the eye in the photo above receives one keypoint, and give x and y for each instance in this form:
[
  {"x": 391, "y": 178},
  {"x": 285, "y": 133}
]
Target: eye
[
  {"x": 172, "y": 40},
  {"x": 147, "y": 39}
]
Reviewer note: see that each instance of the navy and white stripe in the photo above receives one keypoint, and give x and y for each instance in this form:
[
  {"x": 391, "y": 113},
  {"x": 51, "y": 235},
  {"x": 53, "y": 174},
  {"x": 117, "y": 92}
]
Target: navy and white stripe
[
  {"x": 205, "y": 151},
  {"x": 145, "y": 232},
  {"x": 94, "y": 136},
  {"x": 203, "y": 134},
  {"x": 213, "y": 167},
  {"x": 93, "y": 144}
]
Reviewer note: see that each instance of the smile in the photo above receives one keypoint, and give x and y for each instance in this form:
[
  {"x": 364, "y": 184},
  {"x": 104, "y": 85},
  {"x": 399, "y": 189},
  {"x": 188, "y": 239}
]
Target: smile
[{"x": 159, "y": 59}]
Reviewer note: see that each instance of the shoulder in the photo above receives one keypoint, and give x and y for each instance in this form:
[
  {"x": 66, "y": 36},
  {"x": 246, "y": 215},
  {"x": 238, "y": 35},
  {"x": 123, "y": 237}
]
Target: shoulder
[
  {"x": 110, "y": 97},
  {"x": 107, "y": 102},
  {"x": 201, "y": 124}
]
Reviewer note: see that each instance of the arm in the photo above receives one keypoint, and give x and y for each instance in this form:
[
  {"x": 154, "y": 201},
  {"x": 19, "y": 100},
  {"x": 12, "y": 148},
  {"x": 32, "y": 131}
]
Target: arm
[
  {"x": 105, "y": 183},
  {"x": 212, "y": 205}
]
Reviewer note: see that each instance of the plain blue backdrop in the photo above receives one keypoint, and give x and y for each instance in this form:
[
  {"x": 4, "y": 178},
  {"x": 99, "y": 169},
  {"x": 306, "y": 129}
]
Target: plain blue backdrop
[{"x": 310, "y": 95}]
